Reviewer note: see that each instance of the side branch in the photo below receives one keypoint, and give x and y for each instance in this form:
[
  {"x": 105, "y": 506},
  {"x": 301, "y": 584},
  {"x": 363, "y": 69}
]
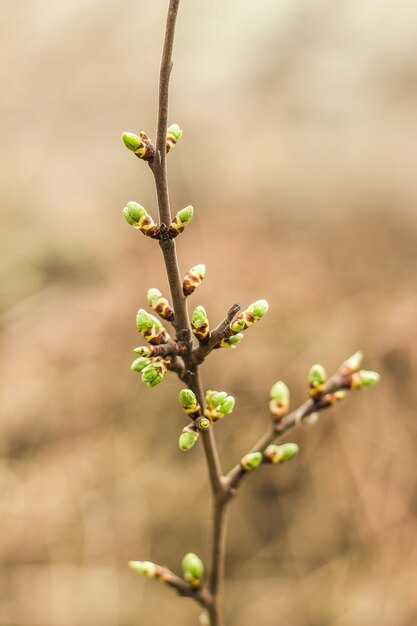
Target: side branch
[
  {"x": 222, "y": 331},
  {"x": 277, "y": 429}
]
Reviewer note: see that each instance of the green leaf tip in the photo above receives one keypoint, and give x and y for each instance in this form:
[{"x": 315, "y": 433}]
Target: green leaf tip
[
  {"x": 147, "y": 568},
  {"x": 175, "y": 132},
  {"x": 139, "y": 364},
  {"x": 317, "y": 375},
  {"x": 143, "y": 320},
  {"x": 199, "y": 317},
  {"x": 278, "y": 454},
  {"x": 193, "y": 569},
  {"x": 280, "y": 392},
  {"x": 131, "y": 141},
  {"x": 187, "y": 398},
  {"x": 154, "y": 373},
  {"x": 133, "y": 213},
  {"x": 251, "y": 461},
  {"x": 152, "y": 295},
  {"x": 364, "y": 378},
  {"x": 259, "y": 308},
  {"x": 185, "y": 215},
  {"x": 187, "y": 440}
]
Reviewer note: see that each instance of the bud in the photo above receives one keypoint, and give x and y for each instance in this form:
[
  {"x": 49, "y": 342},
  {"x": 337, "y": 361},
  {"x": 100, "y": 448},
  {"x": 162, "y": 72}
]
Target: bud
[
  {"x": 251, "y": 461},
  {"x": 136, "y": 216},
  {"x": 278, "y": 454},
  {"x": 153, "y": 374},
  {"x": 146, "y": 351},
  {"x": 160, "y": 304},
  {"x": 147, "y": 568},
  {"x": 133, "y": 213},
  {"x": 180, "y": 221},
  {"x": 311, "y": 419},
  {"x": 230, "y": 342},
  {"x": 218, "y": 404},
  {"x": 279, "y": 399},
  {"x": 193, "y": 569},
  {"x": 352, "y": 364},
  {"x": 131, "y": 141},
  {"x": 247, "y": 318},
  {"x": 187, "y": 440},
  {"x": 193, "y": 279},
  {"x": 364, "y": 378},
  {"x": 200, "y": 324},
  {"x": 140, "y": 145},
  {"x": 174, "y": 134},
  {"x": 188, "y": 401},
  {"x": 139, "y": 364},
  {"x": 151, "y": 328},
  {"x": 317, "y": 378}
]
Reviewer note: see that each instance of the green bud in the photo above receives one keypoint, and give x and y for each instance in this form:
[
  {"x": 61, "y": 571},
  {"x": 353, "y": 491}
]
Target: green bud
[
  {"x": 251, "y": 461},
  {"x": 143, "y": 351},
  {"x": 147, "y": 568},
  {"x": 199, "y": 317},
  {"x": 279, "y": 454},
  {"x": 279, "y": 400},
  {"x": 193, "y": 569},
  {"x": 139, "y": 364},
  {"x": 187, "y": 398},
  {"x": 187, "y": 440},
  {"x": 364, "y": 378},
  {"x": 185, "y": 215},
  {"x": 259, "y": 308},
  {"x": 280, "y": 392},
  {"x": 227, "y": 405},
  {"x": 153, "y": 294},
  {"x": 174, "y": 131},
  {"x": 143, "y": 320},
  {"x": 153, "y": 374},
  {"x": 133, "y": 213},
  {"x": 317, "y": 375},
  {"x": 131, "y": 141}
]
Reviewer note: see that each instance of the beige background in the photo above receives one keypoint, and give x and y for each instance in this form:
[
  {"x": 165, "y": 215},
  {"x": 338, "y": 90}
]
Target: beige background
[{"x": 299, "y": 155}]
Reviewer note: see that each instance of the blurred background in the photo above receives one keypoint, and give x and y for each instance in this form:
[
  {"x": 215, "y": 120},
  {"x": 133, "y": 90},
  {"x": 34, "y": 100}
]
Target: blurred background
[{"x": 299, "y": 155}]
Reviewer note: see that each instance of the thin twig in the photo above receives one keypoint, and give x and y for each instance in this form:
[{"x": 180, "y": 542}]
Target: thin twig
[
  {"x": 277, "y": 429},
  {"x": 222, "y": 331},
  {"x": 190, "y": 372}
]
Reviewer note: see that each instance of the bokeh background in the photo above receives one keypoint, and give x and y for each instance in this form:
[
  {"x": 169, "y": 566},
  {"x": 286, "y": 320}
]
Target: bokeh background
[{"x": 298, "y": 154}]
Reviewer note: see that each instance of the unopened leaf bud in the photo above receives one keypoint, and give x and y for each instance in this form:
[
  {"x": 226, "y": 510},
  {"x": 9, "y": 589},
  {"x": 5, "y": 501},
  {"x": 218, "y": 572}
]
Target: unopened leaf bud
[
  {"x": 147, "y": 568},
  {"x": 131, "y": 141},
  {"x": 193, "y": 279},
  {"x": 230, "y": 342},
  {"x": 247, "y": 318},
  {"x": 251, "y": 461},
  {"x": 278, "y": 454},
  {"x": 144, "y": 351},
  {"x": 227, "y": 405},
  {"x": 218, "y": 404},
  {"x": 133, "y": 213},
  {"x": 193, "y": 569},
  {"x": 151, "y": 328},
  {"x": 364, "y": 378},
  {"x": 154, "y": 373},
  {"x": 188, "y": 437},
  {"x": 137, "y": 216},
  {"x": 279, "y": 399},
  {"x": 200, "y": 324},
  {"x": 352, "y": 364},
  {"x": 139, "y": 364},
  {"x": 174, "y": 134},
  {"x": 160, "y": 304},
  {"x": 188, "y": 401},
  {"x": 180, "y": 221},
  {"x": 317, "y": 378}
]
